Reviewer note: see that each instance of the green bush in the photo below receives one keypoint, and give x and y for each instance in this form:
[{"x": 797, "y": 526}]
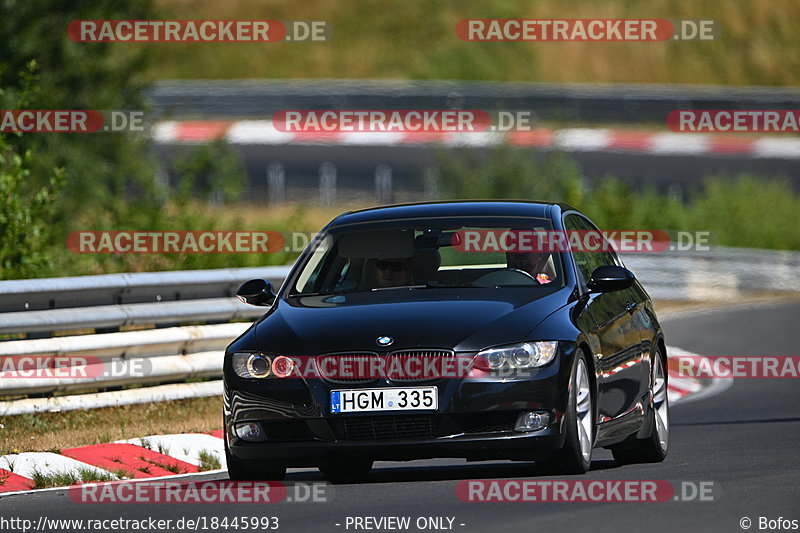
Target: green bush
[
  {"x": 511, "y": 173},
  {"x": 25, "y": 207},
  {"x": 24, "y": 212},
  {"x": 749, "y": 211}
]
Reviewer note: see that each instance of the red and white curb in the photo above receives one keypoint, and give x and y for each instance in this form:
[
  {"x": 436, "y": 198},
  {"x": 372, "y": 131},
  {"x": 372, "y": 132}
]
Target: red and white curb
[
  {"x": 157, "y": 456},
  {"x": 160, "y": 456},
  {"x": 263, "y": 132},
  {"x": 185, "y": 447},
  {"x": 687, "y": 389}
]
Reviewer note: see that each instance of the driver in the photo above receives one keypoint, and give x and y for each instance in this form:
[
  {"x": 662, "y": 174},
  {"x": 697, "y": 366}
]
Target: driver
[
  {"x": 393, "y": 272},
  {"x": 537, "y": 264}
]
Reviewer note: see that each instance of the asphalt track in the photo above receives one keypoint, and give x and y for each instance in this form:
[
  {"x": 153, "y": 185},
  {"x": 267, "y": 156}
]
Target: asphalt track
[{"x": 744, "y": 440}]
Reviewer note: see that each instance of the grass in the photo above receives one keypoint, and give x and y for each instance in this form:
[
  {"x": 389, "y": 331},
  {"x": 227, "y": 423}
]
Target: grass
[
  {"x": 416, "y": 39},
  {"x": 121, "y": 473},
  {"x": 11, "y": 464},
  {"x": 170, "y": 467},
  {"x": 46, "y": 431},
  {"x": 65, "y": 478},
  {"x": 208, "y": 461}
]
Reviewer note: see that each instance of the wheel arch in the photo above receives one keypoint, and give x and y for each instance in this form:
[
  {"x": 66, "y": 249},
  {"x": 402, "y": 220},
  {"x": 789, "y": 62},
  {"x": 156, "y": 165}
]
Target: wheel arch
[
  {"x": 662, "y": 346},
  {"x": 583, "y": 345}
]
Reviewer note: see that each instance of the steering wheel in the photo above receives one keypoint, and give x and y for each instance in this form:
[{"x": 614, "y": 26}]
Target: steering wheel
[{"x": 506, "y": 276}]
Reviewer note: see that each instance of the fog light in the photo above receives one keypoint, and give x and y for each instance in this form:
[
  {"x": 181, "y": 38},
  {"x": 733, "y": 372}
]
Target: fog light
[
  {"x": 532, "y": 421},
  {"x": 250, "y": 431}
]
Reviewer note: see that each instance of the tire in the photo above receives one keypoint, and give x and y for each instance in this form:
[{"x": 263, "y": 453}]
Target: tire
[
  {"x": 654, "y": 448},
  {"x": 341, "y": 470},
  {"x": 575, "y": 456},
  {"x": 238, "y": 471}
]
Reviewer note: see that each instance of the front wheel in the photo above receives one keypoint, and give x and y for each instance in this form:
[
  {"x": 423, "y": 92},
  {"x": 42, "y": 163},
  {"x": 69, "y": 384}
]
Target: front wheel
[
  {"x": 575, "y": 457},
  {"x": 654, "y": 448}
]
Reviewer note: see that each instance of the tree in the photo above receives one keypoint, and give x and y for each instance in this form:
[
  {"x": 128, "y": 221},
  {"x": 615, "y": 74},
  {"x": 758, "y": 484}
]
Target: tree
[
  {"x": 25, "y": 223},
  {"x": 99, "y": 168}
]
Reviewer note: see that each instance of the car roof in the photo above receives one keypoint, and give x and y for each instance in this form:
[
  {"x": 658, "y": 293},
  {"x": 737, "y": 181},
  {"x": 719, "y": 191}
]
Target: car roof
[{"x": 456, "y": 208}]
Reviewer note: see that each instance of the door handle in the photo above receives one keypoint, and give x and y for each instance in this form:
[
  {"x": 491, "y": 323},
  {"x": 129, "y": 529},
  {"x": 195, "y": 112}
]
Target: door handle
[{"x": 630, "y": 307}]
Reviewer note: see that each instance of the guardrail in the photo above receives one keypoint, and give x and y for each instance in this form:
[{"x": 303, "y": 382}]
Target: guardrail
[
  {"x": 174, "y": 354},
  {"x": 580, "y": 102},
  {"x": 111, "y": 301},
  {"x": 721, "y": 274}
]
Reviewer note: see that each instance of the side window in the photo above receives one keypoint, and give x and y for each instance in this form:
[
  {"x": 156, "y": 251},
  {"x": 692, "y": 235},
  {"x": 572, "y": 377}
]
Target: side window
[
  {"x": 586, "y": 261},
  {"x": 582, "y": 259},
  {"x": 604, "y": 257}
]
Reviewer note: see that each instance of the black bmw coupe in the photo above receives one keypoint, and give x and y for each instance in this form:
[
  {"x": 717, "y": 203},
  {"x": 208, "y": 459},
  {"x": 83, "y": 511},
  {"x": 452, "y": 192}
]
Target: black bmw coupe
[{"x": 448, "y": 329}]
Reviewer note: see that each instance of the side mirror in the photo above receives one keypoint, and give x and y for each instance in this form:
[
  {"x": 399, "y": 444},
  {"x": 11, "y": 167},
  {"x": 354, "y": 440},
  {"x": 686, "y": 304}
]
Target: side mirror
[
  {"x": 610, "y": 278},
  {"x": 256, "y": 292}
]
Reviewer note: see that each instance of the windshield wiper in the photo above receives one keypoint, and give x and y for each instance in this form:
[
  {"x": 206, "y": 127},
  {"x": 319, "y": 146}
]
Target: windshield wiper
[
  {"x": 320, "y": 293},
  {"x": 397, "y": 287},
  {"x": 439, "y": 285},
  {"x": 430, "y": 285}
]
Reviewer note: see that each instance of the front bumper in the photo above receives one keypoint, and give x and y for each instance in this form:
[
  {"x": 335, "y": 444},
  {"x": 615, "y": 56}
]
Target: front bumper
[
  {"x": 518, "y": 446},
  {"x": 475, "y": 420}
]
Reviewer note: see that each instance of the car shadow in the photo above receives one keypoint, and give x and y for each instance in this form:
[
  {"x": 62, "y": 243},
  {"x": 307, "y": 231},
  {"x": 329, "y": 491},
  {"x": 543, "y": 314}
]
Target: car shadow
[{"x": 405, "y": 473}]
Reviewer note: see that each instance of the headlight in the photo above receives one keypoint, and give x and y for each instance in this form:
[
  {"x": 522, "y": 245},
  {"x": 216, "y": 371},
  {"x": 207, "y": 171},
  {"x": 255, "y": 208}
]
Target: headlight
[
  {"x": 282, "y": 366},
  {"x": 251, "y": 365},
  {"x": 525, "y": 355}
]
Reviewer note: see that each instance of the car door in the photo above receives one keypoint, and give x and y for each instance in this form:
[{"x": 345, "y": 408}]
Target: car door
[{"x": 618, "y": 361}]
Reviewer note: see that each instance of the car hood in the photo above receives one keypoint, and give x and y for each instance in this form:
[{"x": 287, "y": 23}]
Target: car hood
[{"x": 469, "y": 321}]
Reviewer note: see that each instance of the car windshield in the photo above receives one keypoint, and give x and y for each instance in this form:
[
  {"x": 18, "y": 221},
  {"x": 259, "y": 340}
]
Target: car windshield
[{"x": 428, "y": 254}]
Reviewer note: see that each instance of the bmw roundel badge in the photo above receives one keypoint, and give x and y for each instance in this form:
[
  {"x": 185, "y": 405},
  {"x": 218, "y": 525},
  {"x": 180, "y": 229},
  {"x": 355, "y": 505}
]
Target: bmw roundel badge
[{"x": 384, "y": 341}]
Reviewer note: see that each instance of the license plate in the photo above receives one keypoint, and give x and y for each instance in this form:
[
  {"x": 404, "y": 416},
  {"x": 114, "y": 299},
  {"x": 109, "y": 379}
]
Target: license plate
[{"x": 393, "y": 399}]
